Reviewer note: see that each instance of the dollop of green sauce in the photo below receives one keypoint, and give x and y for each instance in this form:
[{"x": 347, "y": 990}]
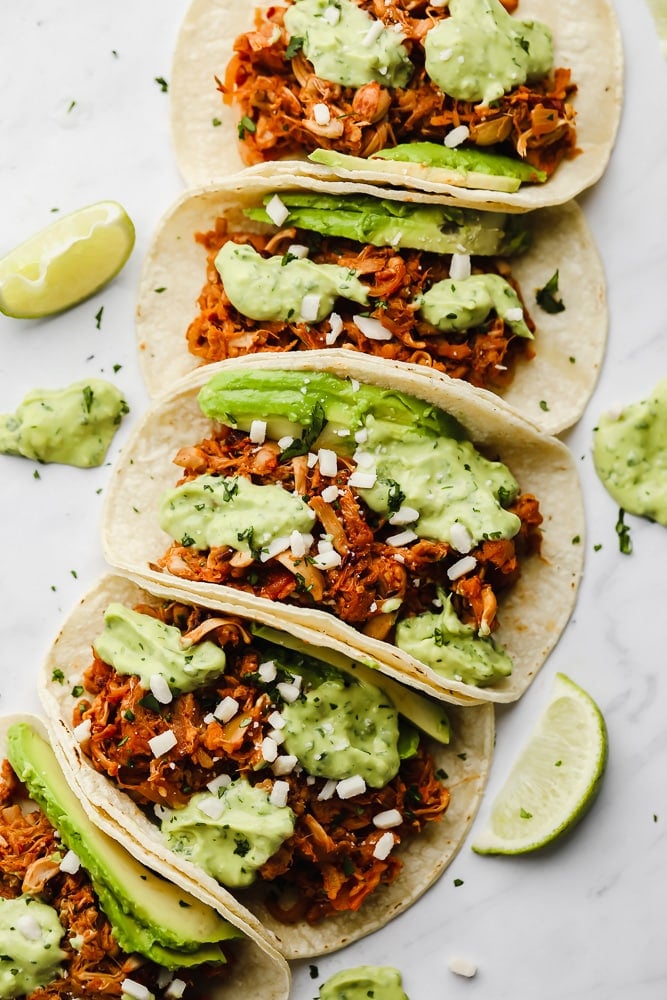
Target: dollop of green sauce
[
  {"x": 26, "y": 963},
  {"x": 630, "y": 455},
  {"x": 212, "y": 511},
  {"x": 72, "y": 426},
  {"x": 138, "y": 644},
  {"x": 481, "y": 52},
  {"x": 340, "y": 728},
  {"x": 451, "y": 648},
  {"x": 381, "y": 982},
  {"x": 446, "y": 480},
  {"x": 339, "y": 45},
  {"x": 456, "y": 305},
  {"x": 230, "y": 835},
  {"x": 274, "y": 288}
]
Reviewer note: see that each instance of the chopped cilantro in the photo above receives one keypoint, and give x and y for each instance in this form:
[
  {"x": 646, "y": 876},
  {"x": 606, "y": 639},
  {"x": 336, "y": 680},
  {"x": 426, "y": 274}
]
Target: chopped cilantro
[
  {"x": 547, "y": 298},
  {"x": 525, "y": 814},
  {"x": 71, "y": 106},
  {"x": 314, "y": 971},
  {"x": 245, "y": 125},
  {"x": 162, "y": 84},
  {"x": 77, "y": 690},
  {"x": 58, "y": 675},
  {"x": 215, "y": 122},
  {"x": 301, "y": 446},
  {"x": 88, "y": 396},
  {"x": 150, "y": 701},
  {"x": 576, "y": 539},
  {"x": 295, "y": 45},
  {"x": 160, "y": 290},
  {"x": 458, "y": 882},
  {"x": 116, "y": 369},
  {"x": 98, "y": 317},
  {"x": 36, "y": 474},
  {"x": 544, "y": 405},
  {"x": 187, "y": 540},
  {"x": 623, "y": 532}
]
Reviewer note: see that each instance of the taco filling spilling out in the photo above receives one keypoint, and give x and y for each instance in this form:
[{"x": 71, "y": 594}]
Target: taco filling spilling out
[
  {"x": 68, "y": 933},
  {"x": 462, "y": 85},
  {"x": 425, "y": 284},
  {"x": 262, "y": 765},
  {"x": 365, "y": 502}
]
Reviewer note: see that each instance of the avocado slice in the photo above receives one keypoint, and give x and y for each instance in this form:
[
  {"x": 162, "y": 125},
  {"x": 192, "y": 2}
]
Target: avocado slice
[
  {"x": 471, "y": 168},
  {"x": 383, "y": 222},
  {"x": 148, "y": 914},
  {"x": 294, "y": 399},
  {"x": 421, "y": 711}
]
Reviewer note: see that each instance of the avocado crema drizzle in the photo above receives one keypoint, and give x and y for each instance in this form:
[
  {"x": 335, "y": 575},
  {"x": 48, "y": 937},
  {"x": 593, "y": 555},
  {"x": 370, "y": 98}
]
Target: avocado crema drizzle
[
  {"x": 246, "y": 751},
  {"x": 363, "y": 502}
]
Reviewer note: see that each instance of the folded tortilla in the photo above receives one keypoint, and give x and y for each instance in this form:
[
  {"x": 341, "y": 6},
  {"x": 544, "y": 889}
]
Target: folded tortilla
[
  {"x": 532, "y": 614},
  {"x": 465, "y": 761},
  {"x": 258, "y": 968},
  {"x": 587, "y": 41},
  {"x": 551, "y": 389}
]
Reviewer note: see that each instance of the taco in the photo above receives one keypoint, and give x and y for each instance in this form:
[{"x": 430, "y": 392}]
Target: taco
[
  {"x": 514, "y": 326},
  {"x": 80, "y": 916},
  {"x": 363, "y": 499},
  {"x": 457, "y": 98},
  {"x": 275, "y": 773}
]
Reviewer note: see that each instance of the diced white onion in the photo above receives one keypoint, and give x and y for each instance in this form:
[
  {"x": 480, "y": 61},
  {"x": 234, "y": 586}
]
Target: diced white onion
[
  {"x": 275, "y": 547},
  {"x": 131, "y": 988},
  {"x": 372, "y": 328},
  {"x": 321, "y": 114},
  {"x": 269, "y": 749},
  {"x": 514, "y": 315},
  {"x": 226, "y": 709},
  {"x": 222, "y": 781},
  {"x": 402, "y": 538},
  {"x": 373, "y": 33},
  {"x": 162, "y": 743},
  {"x": 267, "y": 671},
  {"x": 312, "y": 460},
  {"x": 362, "y": 480},
  {"x": 288, "y": 692},
  {"x": 310, "y": 305},
  {"x": 277, "y": 211},
  {"x": 461, "y": 567},
  {"x": 29, "y": 928},
  {"x": 285, "y": 442},
  {"x": 361, "y": 436},
  {"x": 257, "y": 432},
  {"x": 347, "y": 788},
  {"x": 277, "y": 735},
  {"x": 383, "y": 846},
  {"x": 327, "y": 560},
  {"x": 387, "y": 819},
  {"x": 71, "y": 863},
  {"x": 460, "y": 267},
  {"x": 160, "y": 689},
  {"x": 462, "y": 967},
  {"x": 330, "y": 494},
  {"x": 279, "y": 792},
  {"x": 298, "y": 250},
  {"x": 404, "y": 515},
  {"x": 276, "y": 720},
  {"x": 284, "y": 764},
  {"x": 82, "y": 731},
  {"x": 335, "y": 329},
  {"x": 176, "y": 989},
  {"x": 327, "y": 461},
  {"x": 327, "y": 790},
  {"x": 457, "y": 136},
  {"x": 331, "y": 15},
  {"x": 211, "y": 806},
  {"x": 460, "y": 537}
]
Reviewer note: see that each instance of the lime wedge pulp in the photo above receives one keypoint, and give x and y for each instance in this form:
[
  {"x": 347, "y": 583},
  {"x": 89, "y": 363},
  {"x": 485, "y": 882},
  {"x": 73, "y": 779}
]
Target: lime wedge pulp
[
  {"x": 66, "y": 262},
  {"x": 555, "y": 778}
]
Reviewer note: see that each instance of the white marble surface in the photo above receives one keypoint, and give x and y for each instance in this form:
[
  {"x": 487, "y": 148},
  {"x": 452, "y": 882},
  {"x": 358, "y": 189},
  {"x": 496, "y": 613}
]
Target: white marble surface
[{"x": 585, "y": 922}]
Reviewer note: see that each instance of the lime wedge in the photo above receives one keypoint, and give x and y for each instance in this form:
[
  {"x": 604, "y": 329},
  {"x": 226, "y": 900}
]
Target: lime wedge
[
  {"x": 66, "y": 262},
  {"x": 555, "y": 778}
]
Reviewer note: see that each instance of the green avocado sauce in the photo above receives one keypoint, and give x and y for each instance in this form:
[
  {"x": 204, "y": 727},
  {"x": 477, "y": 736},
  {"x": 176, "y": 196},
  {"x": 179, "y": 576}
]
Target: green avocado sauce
[
  {"x": 30, "y": 935},
  {"x": 344, "y": 45},
  {"x": 630, "y": 455},
  {"x": 231, "y": 834},
  {"x": 451, "y": 648},
  {"x": 445, "y": 480},
  {"x": 274, "y": 288},
  {"x": 480, "y": 52},
  {"x": 212, "y": 511},
  {"x": 376, "y": 981},
  {"x": 456, "y": 305},
  {"x": 73, "y": 426},
  {"x": 134, "y": 643},
  {"x": 340, "y": 728}
]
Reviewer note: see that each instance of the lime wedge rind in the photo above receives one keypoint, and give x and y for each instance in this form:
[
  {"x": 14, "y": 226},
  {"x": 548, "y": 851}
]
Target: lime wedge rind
[
  {"x": 555, "y": 778},
  {"x": 70, "y": 260}
]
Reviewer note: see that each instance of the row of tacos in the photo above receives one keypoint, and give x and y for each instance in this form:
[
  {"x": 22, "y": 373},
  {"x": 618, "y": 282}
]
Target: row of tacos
[{"x": 340, "y": 534}]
